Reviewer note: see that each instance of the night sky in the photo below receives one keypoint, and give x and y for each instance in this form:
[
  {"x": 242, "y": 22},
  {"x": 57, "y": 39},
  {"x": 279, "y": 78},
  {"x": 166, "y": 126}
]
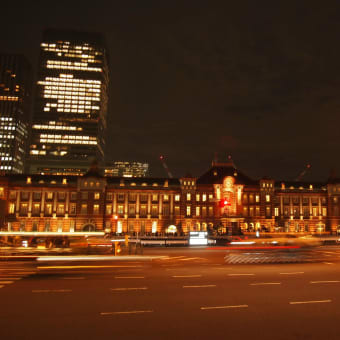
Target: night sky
[{"x": 259, "y": 80}]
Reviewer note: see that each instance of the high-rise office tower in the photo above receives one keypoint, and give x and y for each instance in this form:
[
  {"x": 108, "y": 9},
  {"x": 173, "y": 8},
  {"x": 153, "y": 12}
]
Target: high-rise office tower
[
  {"x": 15, "y": 85},
  {"x": 69, "y": 117},
  {"x": 126, "y": 169}
]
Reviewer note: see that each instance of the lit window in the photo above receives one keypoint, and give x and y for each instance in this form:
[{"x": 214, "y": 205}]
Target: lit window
[
  {"x": 60, "y": 209},
  {"x": 188, "y": 196},
  {"x": 188, "y": 210},
  {"x": 48, "y": 209},
  {"x": 83, "y": 209},
  {"x": 72, "y": 208},
  {"x": 267, "y": 198},
  {"x": 197, "y": 211},
  {"x": 96, "y": 195},
  {"x": 204, "y": 197},
  {"x": 177, "y": 198},
  {"x": 197, "y": 197},
  {"x": 96, "y": 209},
  {"x": 11, "y": 208}
]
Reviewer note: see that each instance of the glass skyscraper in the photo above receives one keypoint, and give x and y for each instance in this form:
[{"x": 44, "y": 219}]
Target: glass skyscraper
[
  {"x": 15, "y": 85},
  {"x": 69, "y": 118}
]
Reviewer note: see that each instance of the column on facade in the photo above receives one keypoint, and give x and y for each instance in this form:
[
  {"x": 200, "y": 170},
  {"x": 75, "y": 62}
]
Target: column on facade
[
  {"x": 114, "y": 205},
  {"x": 42, "y": 208},
  {"x": 137, "y": 204},
  {"x": 126, "y": 204},
  {"x": 17, "y": 209},
  {"x": 30, "y": 198},
  {"x": 67, "y": 204},
  {"x": 171, "y": 197},
  {"x": 160, "y": 203},
  {"x": 55, "y": 202},
  {"x": 149, "y": 205}
]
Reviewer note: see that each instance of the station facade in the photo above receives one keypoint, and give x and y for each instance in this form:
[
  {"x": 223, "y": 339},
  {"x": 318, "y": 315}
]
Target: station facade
[{"x": 222, "y": 200}]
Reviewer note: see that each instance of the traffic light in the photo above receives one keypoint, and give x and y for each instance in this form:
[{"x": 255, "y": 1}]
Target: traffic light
[
  {"x": 117, "y": 248},
  {"x": 224, "y": 203}
]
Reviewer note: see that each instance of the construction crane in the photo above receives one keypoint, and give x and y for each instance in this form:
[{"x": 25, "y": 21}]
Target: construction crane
[
  {"x": 303, "y": 172},
  {"x": 162, "y": 159}
]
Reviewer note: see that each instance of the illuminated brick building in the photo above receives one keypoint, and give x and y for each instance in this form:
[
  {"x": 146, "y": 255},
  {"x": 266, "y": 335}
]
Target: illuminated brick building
[
  {"x": 221, "y": 200},
  {"x": 69, "y": 118},
  {"x": 15, "y": 84}
]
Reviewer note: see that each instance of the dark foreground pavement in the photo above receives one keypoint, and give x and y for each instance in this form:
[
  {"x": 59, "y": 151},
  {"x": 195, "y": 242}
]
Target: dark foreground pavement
[{"x": 189, "y": 294}]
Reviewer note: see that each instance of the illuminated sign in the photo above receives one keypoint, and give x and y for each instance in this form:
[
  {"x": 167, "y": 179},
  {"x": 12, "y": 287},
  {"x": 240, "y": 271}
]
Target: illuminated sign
[{"x": 198, "y": 238}]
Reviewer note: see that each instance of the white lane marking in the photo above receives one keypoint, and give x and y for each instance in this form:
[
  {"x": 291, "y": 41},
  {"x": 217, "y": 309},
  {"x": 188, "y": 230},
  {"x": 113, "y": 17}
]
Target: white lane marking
[
  {"x": 73, "y": 278},
  {"x": 335, "y": 281},
  {"x": 129, "y": 277},
  {"x": 224, "y": 307},
  {"x": 51, "y": 290},
  {"x": 136, "y": 288},
  {"x": 303, "y": 302},
  {"x": 128, "y": 312},
  {"x": 264, "y": 283},
  {"x": 191, "y": 258},
  {"x": 180, "y": 276},
  {"x": 292, "y": 273},
  {"x": 6, "y": 282},
  {"x": 240, "y": 274},
  {"x": 328, "y": 263},
  {"x": 201, "y": 286}
]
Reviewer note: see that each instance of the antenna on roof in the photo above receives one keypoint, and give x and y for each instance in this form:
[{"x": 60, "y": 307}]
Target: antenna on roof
[
  {"x": 299, "y": 178},
  {"x": 162, "y": 159}
]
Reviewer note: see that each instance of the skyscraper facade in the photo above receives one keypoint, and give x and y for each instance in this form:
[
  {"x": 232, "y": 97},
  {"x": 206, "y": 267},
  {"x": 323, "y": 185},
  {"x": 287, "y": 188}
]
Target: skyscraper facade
[
  {"x": 15, "y": 85},
  {"x": 126, "y": 169},
  {"x": 69, "y": 118}
]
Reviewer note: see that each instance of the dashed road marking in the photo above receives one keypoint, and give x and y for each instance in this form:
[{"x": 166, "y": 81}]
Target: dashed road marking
[
  {"x": 127, "y": 312},
  {"x": 200, "y": 286},
  {"x": 292, "y": 273},
  {"x": 51, "y": 290},
  {"x": 184, "y": 276},
  {"x": 224, "y": 307},
  {"x": 335, "y": 281},
  {"x": 241, "y": 274},
  {"x": 304, "y": 302},
  {"x": 264, "y": 283},
  {"x": 328, "y": 263},
  {"x": 129, "y": 277},
  {"x": 135, "y": 288}
]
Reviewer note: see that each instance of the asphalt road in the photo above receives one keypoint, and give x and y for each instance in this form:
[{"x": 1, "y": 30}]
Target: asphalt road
[{"x": 187, "y": 294}]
